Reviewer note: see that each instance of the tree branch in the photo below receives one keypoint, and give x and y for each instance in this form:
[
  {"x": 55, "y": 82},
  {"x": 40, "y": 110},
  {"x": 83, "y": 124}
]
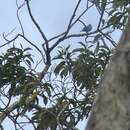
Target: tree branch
[
  {"x": 6, "y": 112},
  {"x": 47, "y": 51}
]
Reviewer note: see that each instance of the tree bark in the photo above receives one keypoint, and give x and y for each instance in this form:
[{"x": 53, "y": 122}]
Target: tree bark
[{"x": 111, "y": 110}]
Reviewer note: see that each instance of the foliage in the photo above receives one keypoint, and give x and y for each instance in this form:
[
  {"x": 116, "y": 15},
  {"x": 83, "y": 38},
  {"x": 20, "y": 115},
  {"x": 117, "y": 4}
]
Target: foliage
[
  {"x": 86, "y": 68},
  {"x": 12, "y": 72},
  {"x": 60, "y": 93}
]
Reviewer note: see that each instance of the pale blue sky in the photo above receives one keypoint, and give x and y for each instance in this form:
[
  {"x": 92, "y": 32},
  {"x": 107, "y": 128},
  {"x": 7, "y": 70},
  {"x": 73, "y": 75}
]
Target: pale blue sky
[{"x": 51, "y": 15}]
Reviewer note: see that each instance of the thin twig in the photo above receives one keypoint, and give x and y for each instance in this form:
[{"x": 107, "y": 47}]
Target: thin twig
[
  {"x": 20, "y": 35},
  {"x": 18, "y": 17},
  {"x": 68, "y": 28},
  {"x": 109, "y": 38},
  {"x": 35, "y": 23},
  {"x": 102, "y": 13},
  {"x": 72, "y": 17},
  {"x": 5, "y": 36}
]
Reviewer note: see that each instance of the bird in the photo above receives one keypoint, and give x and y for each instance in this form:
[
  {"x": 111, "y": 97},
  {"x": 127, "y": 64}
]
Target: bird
[{"x": 87, "y": 28}]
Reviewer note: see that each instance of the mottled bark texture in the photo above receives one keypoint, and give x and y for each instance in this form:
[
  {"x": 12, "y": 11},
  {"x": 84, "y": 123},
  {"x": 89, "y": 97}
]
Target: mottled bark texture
[{"x": 111, "y": 110}]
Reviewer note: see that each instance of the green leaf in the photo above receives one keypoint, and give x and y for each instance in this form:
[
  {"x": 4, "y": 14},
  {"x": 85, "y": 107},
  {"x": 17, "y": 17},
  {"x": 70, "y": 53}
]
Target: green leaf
[
  {"x": 27, "y": 49},
  {"x": 28, "y": 62},
  {"x": 45, "y": 99},
  {"x": 59, "y": 67}
]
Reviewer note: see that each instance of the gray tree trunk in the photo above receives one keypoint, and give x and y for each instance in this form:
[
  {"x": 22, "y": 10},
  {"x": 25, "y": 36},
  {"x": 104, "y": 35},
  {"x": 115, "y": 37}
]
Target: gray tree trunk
[{"x": 111, "y": 110}]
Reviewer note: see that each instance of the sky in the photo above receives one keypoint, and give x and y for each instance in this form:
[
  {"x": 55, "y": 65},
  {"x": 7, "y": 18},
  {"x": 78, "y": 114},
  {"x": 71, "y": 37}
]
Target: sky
[{"x": 52, "y": 16}]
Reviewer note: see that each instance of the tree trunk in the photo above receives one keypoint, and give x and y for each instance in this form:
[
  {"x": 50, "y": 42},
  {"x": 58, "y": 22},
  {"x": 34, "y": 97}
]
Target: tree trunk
[{"x": 111, "y": 110}]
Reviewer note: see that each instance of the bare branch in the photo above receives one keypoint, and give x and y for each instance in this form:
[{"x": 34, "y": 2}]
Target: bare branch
[
  {"x": 43, "y": 73},
  {"x": 10, "y": 41},
  {"x": 18, "y": 9},
  {"x": 30, "y": 121},
  {"x": 35, "y": 23},
  {"x": 68, "y": 28},
  {"x": 33, "y": 46},
  {"x": 72, "y": 17},
  {"x": 109, "y": 38},
  {"x": 6, "y": 35},
  {"x": 81, "y": 15},
  {"x": 102, "y": 13},
  {"x": 47, "y": 52},
  {"x": 4, "y": 114},
  {"x": 53, "y": 38}
]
